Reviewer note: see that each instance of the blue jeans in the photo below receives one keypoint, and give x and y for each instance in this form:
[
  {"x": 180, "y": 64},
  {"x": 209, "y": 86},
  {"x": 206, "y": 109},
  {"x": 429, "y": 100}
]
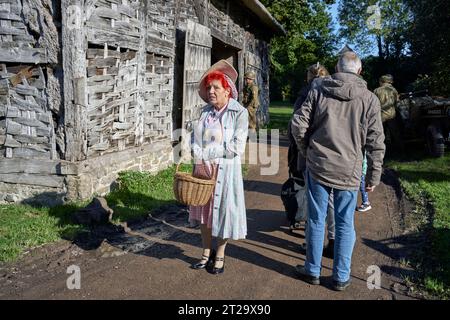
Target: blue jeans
[
  {"x": 330, "y": 220},
  {"x": 362, "y": 189},
  {"x": 344, "y": 209}
]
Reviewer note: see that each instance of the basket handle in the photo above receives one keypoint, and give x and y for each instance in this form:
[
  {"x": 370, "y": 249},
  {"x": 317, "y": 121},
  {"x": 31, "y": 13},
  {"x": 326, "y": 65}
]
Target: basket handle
[{"x": 214, "y": 171}]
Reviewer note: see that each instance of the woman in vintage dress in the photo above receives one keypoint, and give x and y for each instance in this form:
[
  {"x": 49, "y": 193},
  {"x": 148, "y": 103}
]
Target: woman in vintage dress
[{"x": 219, "y": 141}]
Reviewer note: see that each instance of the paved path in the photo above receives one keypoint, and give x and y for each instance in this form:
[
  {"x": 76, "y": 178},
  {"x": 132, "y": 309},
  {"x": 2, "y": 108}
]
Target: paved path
[{"x": 161, "y": 249}]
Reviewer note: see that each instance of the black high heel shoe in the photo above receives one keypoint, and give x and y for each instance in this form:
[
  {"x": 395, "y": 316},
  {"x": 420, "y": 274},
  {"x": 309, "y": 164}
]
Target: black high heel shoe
[
  {"x": 209, "y": 262},
  {"x": 215, "y": 270}
]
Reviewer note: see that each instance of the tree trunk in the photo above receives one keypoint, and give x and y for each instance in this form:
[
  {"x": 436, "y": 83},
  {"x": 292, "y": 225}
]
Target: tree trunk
[{"x": 380, "y": 47}]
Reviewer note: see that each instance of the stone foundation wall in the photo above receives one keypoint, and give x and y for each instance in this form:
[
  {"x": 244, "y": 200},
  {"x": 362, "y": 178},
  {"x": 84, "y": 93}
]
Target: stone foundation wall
[{"x": 62, "y": 181}]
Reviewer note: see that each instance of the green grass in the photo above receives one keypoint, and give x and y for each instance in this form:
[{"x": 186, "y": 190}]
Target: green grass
[
  {"x": 23, "y": 227},
  {"x": 279, "y": 114},
  {"x": 140, "y": 192},
  {"x": 427, "y": 181}
]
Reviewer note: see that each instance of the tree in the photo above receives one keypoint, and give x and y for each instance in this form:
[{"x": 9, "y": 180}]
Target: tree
[
  {"x": 309, "y": 39},
  {"x": 429, "y": 38},
  {"x": 387, "y": 21}
]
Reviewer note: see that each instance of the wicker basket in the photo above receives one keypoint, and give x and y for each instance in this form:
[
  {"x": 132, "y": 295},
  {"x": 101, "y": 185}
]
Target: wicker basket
[{"x": 192, "y": 191}]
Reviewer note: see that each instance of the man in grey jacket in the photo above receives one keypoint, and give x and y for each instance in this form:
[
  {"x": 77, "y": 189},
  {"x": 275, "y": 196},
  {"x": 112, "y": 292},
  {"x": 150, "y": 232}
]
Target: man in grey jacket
[{"x": 339, "y": 120}]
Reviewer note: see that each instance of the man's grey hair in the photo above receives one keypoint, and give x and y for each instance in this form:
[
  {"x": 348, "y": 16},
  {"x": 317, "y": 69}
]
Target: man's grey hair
[{"x": 349, "y": 62}]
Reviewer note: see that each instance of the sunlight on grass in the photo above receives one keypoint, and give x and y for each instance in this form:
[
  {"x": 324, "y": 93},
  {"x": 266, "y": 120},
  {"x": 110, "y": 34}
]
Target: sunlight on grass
[
  {"x": 279, "y": 114},
  {"x": 23, "y": 227},
  {"x": 427, "y": 180}
]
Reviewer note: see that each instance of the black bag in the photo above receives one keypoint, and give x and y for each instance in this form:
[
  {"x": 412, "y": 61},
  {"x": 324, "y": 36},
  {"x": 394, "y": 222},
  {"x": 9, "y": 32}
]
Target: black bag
[{"x": 288, "y": 196}]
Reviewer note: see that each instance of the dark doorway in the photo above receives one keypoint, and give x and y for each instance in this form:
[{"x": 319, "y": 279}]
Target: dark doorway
[
  {"x": 177, "y": 108},
  {"x": 221, "y": 50}
]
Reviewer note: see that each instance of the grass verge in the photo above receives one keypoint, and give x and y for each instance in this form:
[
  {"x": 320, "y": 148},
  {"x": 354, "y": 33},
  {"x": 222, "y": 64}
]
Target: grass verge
[
  {"x": 23, "y": 227},
  {"x": 426, "y": 181}
]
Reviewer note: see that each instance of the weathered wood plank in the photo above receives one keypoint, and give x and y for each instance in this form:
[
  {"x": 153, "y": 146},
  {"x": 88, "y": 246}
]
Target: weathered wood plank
[
  {"x": 74, "y": 48},
  {"x": 33, "y": 179},
  {"x": 122, "y": 126},
  {"x": 104, "y": 12},
  {"x": 13, "y": 112},
  {"x": 11, "y": 31},
  {"x": 99, "y": 89},
  {"x": 98, "y": 36},
  {"x": 93, "y": 53},
  {"x": 11, "y": 142},
  {"x": 29, "y": 139},
  {"x": 29, "y": 122},
  {"x": 13, "y": 127},
  {"x": 160, "y": 46},
  {"x": 9, "y": 16},
  {"x": 4, "y": 87},
  {"x": 126, "y": 10},
  {"x": 41, "y": 166},
  {"x": 121, "y": 29},
  {"x": 103, "y": 146},
  {"x": 29, "y": 153},
  {"x": 26, "y": 90},
  {"x": 24, "y": 105},
  {"x": 24, "y": 55},
  {"x": 103, "y": 62}
]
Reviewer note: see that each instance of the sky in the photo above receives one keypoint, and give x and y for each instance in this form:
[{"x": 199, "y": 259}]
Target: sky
[{"x": 341, "y": 43}]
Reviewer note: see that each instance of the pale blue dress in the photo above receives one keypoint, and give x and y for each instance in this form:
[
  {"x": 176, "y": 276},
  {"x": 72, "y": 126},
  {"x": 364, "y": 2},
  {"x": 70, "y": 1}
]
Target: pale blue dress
[{"x": 229, "y": 213}]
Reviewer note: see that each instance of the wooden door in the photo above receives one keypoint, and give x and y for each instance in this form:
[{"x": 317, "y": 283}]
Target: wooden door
[{"x": 197, "y": 59}]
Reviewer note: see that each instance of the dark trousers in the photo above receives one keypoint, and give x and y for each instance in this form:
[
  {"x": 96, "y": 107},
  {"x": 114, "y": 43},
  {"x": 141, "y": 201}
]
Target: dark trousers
[{"x": 392, "y": 134}]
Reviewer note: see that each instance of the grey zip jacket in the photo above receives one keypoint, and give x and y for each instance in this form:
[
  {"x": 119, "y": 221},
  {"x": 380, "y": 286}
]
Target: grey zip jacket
[{"x": 339, "y": 120}]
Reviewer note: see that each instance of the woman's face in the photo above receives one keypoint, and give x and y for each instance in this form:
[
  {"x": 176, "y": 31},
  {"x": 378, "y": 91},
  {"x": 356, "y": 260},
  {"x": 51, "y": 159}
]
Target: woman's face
[{"x": 218, "y": 96}]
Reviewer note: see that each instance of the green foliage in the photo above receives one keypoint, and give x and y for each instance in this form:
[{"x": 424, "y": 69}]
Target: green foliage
[
  {"x": 23, "y": 227},
  {"x": 280, "y": 114},
  {"x": 413, "y": 41},
  {"x": 427, "y": 181},
  {"x": 429, "y": 40},
  {"x": 309, "y": 39},
  {"x": 140, "y": 192},
  {"x": 361, "y": 24}
]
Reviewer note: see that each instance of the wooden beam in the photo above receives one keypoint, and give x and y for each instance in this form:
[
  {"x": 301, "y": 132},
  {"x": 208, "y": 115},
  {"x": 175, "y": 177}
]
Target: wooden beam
[{"x": 74, "y": 46}]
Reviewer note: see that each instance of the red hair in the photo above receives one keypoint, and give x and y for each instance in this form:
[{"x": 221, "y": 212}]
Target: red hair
[{"x": 217, "y": 75}]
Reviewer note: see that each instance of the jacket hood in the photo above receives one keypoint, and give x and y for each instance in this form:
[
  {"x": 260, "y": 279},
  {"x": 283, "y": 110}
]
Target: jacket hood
[{"x": 344, "y": 86}]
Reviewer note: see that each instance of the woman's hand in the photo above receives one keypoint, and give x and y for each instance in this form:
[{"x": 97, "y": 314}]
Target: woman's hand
[{"x": 213, "y": 152}]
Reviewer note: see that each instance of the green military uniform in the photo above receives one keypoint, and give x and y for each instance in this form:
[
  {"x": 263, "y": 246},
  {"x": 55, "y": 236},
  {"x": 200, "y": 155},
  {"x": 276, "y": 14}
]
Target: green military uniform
[
  {"x": 251, "y": 100},
  {"x": 389, "y": 97}
]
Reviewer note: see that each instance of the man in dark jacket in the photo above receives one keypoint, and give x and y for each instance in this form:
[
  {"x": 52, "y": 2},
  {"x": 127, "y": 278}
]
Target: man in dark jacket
[{"x": 339, "y": 120}]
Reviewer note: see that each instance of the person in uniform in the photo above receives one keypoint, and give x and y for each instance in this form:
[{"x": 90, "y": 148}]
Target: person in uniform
[
  {"x": 389, "y": 98},
  {"x": 251, "y": 98}
]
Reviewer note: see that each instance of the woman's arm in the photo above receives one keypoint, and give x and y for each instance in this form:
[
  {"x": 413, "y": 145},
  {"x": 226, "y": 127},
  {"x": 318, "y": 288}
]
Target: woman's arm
[{"x": 236, "y": 146}]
